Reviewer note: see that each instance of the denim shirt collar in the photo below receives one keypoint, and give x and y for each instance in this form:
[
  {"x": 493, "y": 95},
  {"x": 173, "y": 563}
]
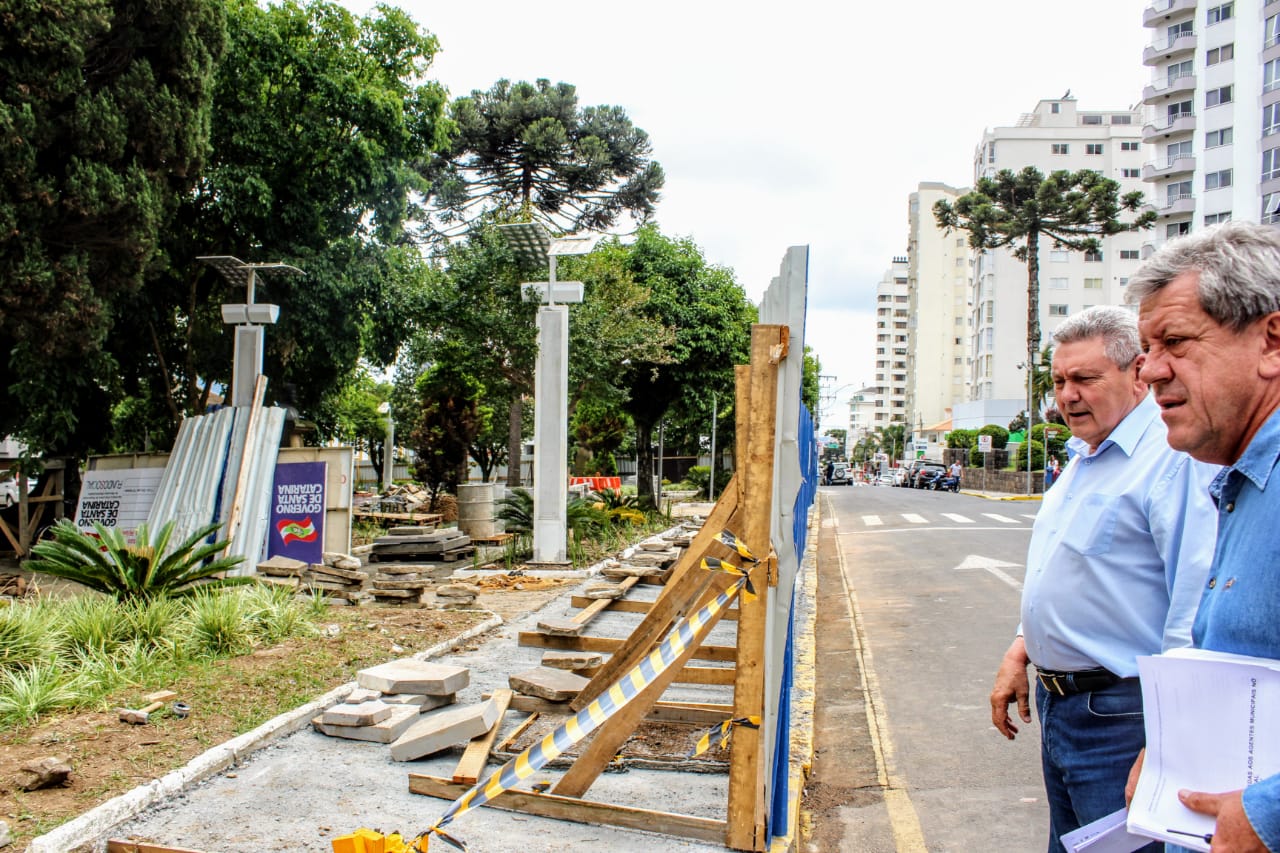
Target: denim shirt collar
[
  {"x": 1258, "y": 460},
  {"x": 1126, "y": 434}
]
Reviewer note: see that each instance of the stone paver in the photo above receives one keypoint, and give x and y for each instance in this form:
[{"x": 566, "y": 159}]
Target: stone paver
[
  {"x": 443, "y": 729},
  {"x": 414, "y": 676}
]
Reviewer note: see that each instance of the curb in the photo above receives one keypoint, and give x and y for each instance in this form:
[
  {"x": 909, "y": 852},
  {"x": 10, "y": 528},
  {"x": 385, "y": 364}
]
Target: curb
[
  {"x": 96, "y": 824},
  {"x": 1000, "y": 497}
]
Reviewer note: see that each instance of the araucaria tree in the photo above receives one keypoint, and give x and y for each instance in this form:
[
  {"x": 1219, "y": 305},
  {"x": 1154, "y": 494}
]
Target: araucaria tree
[{"x": 1016, "y": 209}]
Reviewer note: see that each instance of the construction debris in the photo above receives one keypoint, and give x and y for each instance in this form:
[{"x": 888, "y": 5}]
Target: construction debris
[
  {"x": 443, "y": 729},
  {"x": 385, "y": 731},
  {"x": 43, "y": 773},
  {"x": 356, "y": 714},
  {"x": 443, "y": 545},
  {"x": 554, "y": 685},
  {"x": 414, "y": 676},
  {"x": 572, "y": 661},
  {"x": 455, "y": 595}
]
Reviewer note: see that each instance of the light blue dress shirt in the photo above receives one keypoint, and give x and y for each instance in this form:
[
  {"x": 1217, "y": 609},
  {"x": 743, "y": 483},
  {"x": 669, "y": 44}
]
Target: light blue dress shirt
[
  {"x": 1240, "y": 611},
  {"x": 1119, "y": 551}
]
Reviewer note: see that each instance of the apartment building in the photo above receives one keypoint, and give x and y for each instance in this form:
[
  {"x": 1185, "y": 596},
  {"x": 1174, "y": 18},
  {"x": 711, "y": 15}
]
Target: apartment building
[
  {"x": 1057, "y": 134},
  {"x": 1212, "y": 113},
  {"x": 862, "y": 414},
  {"x": 938, "y": 328},
  {"x": 892, "y": 332}
]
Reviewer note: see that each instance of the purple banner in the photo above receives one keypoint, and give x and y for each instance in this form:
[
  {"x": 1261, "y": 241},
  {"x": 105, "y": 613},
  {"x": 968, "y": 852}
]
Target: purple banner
[{"x": 297, "y": 512}]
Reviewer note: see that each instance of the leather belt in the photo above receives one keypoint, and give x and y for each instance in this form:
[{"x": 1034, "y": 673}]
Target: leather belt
[{"x": 1071, "y": 683}]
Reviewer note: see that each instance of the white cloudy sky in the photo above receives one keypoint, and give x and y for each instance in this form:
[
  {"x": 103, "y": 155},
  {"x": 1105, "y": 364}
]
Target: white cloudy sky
[{"x": 803, "y": 122}]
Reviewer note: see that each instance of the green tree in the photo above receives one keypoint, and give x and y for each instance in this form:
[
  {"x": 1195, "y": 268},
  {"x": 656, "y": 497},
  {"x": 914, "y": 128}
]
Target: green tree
[
  {"x": 891, "y": 439},
  {"x": 352, "y": 415},
  {"x": 446, "y": 423},
  {"x": 1016, "y": 209},
  {"x": 711, "y": 318},
  {"x": 810, "y": 383},
  {"x": 529, "y": 150},
  {"x": 104, "y": 126}
]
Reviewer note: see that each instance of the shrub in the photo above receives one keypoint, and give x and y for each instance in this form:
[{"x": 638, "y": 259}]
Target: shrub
[
  {"x": 27, "y": 635},
  {"x": 218, "y": 625},
  {"x": 28, "y": 692},
  {"x": 699, "y": 476},
  {"x": 612, "y": 499},
  {"x": 93, "y": 624},
  {"x": 146, "y": 569},
  {"x": 1037, "y": 457},
  {"x": 1057, "y": 444},
  {"x": 999, "y": 435},
  {"x": 962, "y": 438},
  {"x": 516, "y": 509}
]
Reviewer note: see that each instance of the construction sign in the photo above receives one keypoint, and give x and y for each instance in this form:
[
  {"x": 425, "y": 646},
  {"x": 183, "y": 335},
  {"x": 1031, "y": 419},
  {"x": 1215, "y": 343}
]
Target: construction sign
[{"x": 297, "y": 512}]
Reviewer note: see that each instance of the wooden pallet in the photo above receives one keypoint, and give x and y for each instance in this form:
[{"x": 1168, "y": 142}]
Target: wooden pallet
[{"x": 495, "y": 539}]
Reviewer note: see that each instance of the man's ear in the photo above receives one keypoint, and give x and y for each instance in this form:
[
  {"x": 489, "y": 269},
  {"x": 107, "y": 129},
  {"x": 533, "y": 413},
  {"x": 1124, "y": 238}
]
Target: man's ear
[{"x": 1269, "y": 329}]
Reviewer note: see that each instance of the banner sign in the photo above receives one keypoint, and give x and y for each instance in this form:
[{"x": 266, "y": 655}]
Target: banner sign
[
  {"x": 297, "y": 512},
  {"x": 118, "y": 499}
]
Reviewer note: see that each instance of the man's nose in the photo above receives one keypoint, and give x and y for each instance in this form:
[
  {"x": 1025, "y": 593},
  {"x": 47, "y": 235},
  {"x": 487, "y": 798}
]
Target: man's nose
[{"x": 1155, "y": 368}]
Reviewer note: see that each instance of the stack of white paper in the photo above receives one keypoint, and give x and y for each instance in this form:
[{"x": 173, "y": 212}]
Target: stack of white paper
[{"x": 1210, "y": 721}]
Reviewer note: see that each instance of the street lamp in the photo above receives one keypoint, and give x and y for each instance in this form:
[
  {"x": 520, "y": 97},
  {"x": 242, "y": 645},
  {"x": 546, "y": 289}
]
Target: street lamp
[{"x": 531, "y": 242}]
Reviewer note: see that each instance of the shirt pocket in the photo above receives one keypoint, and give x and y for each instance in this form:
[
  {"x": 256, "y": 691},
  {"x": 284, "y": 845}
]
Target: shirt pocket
[{"x": 1093, "y": 526}]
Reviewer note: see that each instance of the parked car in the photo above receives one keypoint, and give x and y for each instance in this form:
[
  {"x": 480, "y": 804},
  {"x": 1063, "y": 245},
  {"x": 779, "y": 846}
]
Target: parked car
[
  {"x": 909, "y": 473},
  {"x": 9, "y": 491},
  {"x": 887, "y": 478},
  {"x": 841, "y": 474},
  {"x": 899, "y": 476},
  {"x": 925, "y": 472}
]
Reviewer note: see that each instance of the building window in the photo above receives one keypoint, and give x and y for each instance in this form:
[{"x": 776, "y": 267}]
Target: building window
[
  {"x": 1093, "y": 148},
  {"x": 1216, "y": 97},
  {"x": 1129, "y": 254},
  {"x": 1217, "y": 180},
  {"x": 1220, "y": 54},
  {"x": 1093, "y": 257},
  {"x": 1055, "y": 108},
  {"x": 1177, "y": 229},
  {"x": 1215, "y": 138},
  {"x": 1093, "y": 284},
  {"x": 1271, "y": 164},
  {"x": 1058, "y": 284},
  {"x": 991, "y": 152},
  {"x": 1178, "y": 191},
  {"x": 1177, "y": 31},
  {"x": 1270, "y": 119},
  {"x": 1271, "y": 75},
  {"x": 1131, "y": 173},
  {"x": 1176, "y": 150},
  {"x": 1177, "y": 70},
  {"x": 1122, "y": 119},
  {"x": 1271, "y": 208},
  {"x": 1218, "y": 14},
  {"x": 1059, "y": 256},
  {"x": 1058, "y": 310},
  {"x": 1271, "y": 32},
  {"x": 991, "y": 312},
  {"x": 1061, "y": 147},
  {"x": 1130, "y": 146},
  {"x": 1091, "y": 119},
  {"x": 1215, "y": 218},
  {"x": 1178, "y": 110},
  {"x": 1124, "y": 282}
]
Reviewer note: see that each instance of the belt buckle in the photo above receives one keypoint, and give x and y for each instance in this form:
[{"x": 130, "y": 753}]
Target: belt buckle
[{"x": 1052, "y": 683}]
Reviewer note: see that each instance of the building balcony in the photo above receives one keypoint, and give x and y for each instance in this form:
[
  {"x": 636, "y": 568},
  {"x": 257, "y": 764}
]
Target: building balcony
[
  {"x": 1168, "y": 49},
  {"x": 1177, "y": 205},
  {"x": 1182, "y": 123},
  {"x": 1161, "y": 10},
  {"x": 1168, "y": 168},
  {"x": 1181, "y": 85}
]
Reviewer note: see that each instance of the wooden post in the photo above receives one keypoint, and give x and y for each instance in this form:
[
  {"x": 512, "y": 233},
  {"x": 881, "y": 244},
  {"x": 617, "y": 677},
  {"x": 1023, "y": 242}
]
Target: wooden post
[{"x": 745, "y": 828}]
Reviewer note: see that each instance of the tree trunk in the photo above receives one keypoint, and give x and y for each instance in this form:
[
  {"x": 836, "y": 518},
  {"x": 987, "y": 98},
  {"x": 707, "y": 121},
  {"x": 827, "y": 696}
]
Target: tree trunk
[
  {"x": 1033, "y": 316},
  {"x": 644, "y": 464},
  {"x": 515, "y": 435}
]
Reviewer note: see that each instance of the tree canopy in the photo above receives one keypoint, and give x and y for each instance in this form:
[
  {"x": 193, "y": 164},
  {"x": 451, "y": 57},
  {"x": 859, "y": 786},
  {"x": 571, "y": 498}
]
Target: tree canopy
[
  {"x": 1016, "y": 209},
  {"x": 529, "y": 151}
]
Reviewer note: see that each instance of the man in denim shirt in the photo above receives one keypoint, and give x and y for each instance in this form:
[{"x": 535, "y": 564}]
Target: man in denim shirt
[
  {"x": 1209, "y": 316},
  {"x": 1117, "y": 558}
]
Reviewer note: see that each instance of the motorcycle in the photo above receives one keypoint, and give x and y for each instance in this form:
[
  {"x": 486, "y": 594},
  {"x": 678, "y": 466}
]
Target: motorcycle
[{"x": 942, "y": 482}]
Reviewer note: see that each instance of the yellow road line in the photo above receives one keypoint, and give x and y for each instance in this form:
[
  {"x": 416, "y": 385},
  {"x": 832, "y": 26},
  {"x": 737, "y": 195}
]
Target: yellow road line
[{"x": 907, "y": 834}]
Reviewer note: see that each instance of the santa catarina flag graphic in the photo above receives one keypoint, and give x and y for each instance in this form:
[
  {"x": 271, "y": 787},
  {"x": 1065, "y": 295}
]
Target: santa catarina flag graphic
[{"x": 297, "y": 511}]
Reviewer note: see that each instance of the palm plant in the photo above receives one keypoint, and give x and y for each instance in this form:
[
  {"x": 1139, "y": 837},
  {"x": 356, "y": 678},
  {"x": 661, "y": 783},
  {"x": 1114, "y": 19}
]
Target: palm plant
[
  {"x": 516, "y": 509},
  {"x": 144, "y": 570}
]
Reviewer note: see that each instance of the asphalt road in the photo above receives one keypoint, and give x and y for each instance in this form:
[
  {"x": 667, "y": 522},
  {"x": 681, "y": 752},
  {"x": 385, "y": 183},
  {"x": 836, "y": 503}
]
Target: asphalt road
[{"x": 934, "y": 580}]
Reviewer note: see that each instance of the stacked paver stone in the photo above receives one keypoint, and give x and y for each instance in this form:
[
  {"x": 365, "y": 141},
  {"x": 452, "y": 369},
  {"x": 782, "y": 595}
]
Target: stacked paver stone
[{"x": 339, "y": 577}]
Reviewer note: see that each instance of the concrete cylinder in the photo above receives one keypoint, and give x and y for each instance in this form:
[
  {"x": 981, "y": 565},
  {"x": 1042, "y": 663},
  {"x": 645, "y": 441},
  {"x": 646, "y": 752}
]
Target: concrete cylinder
[{"x": 475, "y": 510}]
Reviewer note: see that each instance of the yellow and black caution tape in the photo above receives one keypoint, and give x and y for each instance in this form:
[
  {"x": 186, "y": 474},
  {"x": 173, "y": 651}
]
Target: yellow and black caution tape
[
  {"x": 713, "y": 564},
  {"x": 728, "y": 537},
  {"x": 721, "y": 732},
  {"x": 573, "y": 730}
]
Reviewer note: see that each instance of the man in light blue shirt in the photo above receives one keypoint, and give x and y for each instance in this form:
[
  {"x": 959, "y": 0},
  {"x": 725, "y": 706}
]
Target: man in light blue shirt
[
  {"x": 1118, "y": 555},
  {"x": 1209, "y": 315}
]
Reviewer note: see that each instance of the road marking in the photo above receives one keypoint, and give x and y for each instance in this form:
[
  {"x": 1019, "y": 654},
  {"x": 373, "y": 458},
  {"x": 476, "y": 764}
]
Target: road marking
[
  {"x": 879, "y": 530},
  {"x": 995, "y": 567},
  {"x": 872, "y": 520},
  {"x": 958, "y": 519},
  {"x": 913, "y": 518},
  {"x": 1030, "y": 515},
  {"x": 997, "y": 517},
  {"x": 907, "y": 835}
]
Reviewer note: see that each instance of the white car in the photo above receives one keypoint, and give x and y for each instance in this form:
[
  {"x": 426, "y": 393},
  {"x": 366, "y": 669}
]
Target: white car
[{"x": 8, "y": 492}]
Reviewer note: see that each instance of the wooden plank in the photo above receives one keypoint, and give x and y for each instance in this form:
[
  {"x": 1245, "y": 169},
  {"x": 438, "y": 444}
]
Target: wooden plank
[
  {"x": 662, "y": 712},
  {"x": 686, "y": 675},
  {"x": 580, "y": 811},
  {"x": 611, "y": 734},
  {"x": 685, "y": 585},
  {"x": 623, "y": 605},
  {"x": 520, "y": 729},
  {"x": 598, "y": 606},
  {"x": 476, "y": 755},
  {"x": 746, "y": 814},
  {"x": 232, "y": 529},
  {"x": 423, "y": 517},
  {"x": 118, "y": 845},
  {"x": 722, "y": 654}
]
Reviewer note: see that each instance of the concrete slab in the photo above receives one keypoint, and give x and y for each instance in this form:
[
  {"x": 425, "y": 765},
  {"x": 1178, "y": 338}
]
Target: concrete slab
[
  {"x": 356, "y": 714},
  {"x": 402, "y": 716},
  {"x": 602, "y": 589},
  {"x": 443, "y": 729},
  {"x": 554, "y": 685},
  {"x": 572, "y": 660},
  {"x": 414, "y": 676},
  {"x": 559, "y": 627}
]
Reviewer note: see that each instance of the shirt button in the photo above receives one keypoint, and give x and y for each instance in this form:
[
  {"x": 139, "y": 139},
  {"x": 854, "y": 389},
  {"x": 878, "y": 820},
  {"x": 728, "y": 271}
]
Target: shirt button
[
  {"x": 1213, "y": 582},
  {"x": 1231, "y": 506}
]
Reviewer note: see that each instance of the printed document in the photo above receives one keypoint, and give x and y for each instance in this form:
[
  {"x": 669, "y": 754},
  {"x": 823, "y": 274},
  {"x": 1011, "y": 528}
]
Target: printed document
[
  {"x": 1210, "y": 727},
  {"x": 1104, "y": 835}
]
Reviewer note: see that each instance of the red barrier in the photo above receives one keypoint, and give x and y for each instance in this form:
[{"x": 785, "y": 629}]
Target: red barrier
[{"x": 598, "y": 483}]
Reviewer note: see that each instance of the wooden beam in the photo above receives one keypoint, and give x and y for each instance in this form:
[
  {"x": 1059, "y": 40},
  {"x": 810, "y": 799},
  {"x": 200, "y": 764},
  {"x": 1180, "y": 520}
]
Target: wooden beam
[
  {"x": 662, "y": 712},
  {"x": 520, "y": 729},
  {"x": 476, "y": 755},
  {"x": 117, "y": 845},
  {"x": 580, "y": 811},
  {"x": 759, "y": 399},
  {"x": 599, "y": 605},
  {"x": 623, "y": 605},
  {"x": 614, "y": 731},
  {"x": 538, "y": 640}
]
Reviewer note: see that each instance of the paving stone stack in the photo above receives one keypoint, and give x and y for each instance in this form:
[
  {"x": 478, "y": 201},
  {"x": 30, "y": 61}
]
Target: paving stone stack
[
  {"x": 339, "y": 577},
  {"x": 415, "y": 544},
  {"x": 554, "y": 685},
  {"x": 390, "y": 698},
  {"x": 403, "y": 584},
  {"x": 455, "y": 596}
]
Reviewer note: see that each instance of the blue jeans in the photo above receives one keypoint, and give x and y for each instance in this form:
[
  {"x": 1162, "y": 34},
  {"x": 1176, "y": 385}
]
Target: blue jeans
[{"x": 1088, "y": 742}]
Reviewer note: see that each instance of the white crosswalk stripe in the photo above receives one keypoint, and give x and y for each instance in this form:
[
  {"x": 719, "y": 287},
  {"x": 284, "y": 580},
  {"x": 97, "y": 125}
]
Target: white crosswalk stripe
[
  {"x": 914, "y": 519},
  {"x": 997, "y": 517},
  {"x": 958, "y": 519},
  {"x": 872, "y": 520},
  {"x": 1030, "y": 515}
]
